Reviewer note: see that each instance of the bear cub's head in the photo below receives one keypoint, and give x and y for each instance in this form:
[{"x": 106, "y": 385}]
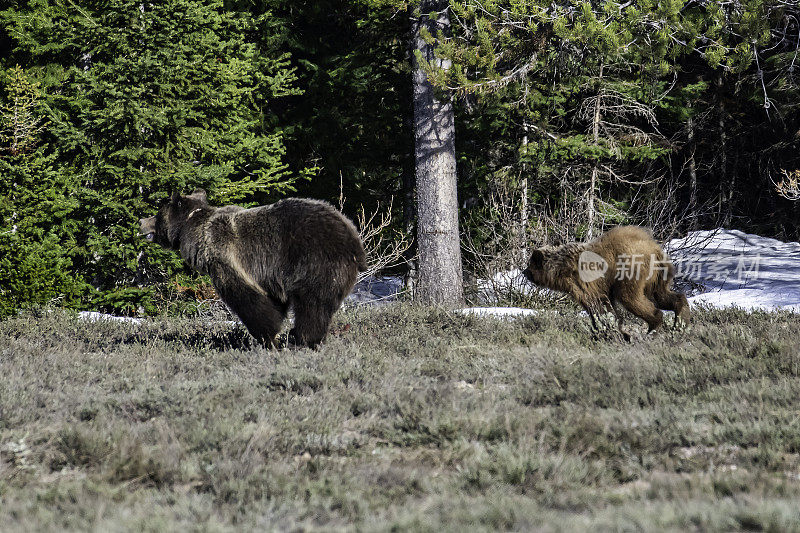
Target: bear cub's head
[
  {"x": 537, "y": 271},
  {"x": 166, "y": 226}
]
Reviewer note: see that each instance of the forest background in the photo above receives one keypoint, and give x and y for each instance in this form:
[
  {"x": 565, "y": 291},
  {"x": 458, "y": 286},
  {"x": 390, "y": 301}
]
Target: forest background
[{"x": 570, "y": 116}]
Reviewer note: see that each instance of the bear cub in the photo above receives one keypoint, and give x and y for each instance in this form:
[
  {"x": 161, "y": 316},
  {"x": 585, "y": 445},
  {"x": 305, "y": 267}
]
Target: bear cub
[
  {"x": 623, "y": 266},
  {"x": 296, "y": 253}
]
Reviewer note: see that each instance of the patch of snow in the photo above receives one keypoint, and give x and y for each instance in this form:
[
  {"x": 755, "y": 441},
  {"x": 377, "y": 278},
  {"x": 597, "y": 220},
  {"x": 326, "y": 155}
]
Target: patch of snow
[
  {"x": 502, "y": 312},
  {"x": 733, "y": 268},
  {"x": 504, "y": 283},
  {"x": 376, "y": 290},
  {"x": 384, "y": 289},
  {"x": 94, "y": 316},
  {"x": 749, "y": 299}
]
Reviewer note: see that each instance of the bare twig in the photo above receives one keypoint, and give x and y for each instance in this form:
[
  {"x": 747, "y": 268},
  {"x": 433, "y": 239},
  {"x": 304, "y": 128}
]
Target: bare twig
[
  {"x": 385, "y": 245},
  {"x": 789, "y": 186}
]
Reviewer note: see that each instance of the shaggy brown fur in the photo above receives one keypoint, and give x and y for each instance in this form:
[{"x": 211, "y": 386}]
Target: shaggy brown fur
[
  {"x": 639, "y": 276},
  {"x": 296, "y": 253}
]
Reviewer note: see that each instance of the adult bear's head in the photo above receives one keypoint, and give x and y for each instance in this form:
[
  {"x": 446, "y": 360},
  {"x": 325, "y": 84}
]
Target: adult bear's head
[{"x": 166, "y": 227}]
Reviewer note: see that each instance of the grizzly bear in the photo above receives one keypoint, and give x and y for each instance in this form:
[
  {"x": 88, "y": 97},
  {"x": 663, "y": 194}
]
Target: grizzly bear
[
  {"x": 296, "y": 253},
  {"x": 623, "y": 266}
]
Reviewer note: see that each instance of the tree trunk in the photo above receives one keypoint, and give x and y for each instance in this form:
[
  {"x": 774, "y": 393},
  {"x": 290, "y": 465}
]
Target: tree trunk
[
  {"x": 439, "y": 276},
  {"x": 723, "y": 162},
  {"x": 590, "y": 216},
  {"x": 692, "y": 209},
  {"x": 409, "y": 221},
  {"x": 728, "y": 218},
  {"x": 523, "y": 207}
]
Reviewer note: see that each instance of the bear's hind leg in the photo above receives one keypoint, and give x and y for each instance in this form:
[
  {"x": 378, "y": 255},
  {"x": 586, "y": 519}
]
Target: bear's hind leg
[{"x": 312, "y": 317}]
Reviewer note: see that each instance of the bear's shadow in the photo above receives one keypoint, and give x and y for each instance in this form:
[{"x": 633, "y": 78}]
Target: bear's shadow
[
  {"x": 237, "y": 338},
  {"x": 234, "y": 338}
]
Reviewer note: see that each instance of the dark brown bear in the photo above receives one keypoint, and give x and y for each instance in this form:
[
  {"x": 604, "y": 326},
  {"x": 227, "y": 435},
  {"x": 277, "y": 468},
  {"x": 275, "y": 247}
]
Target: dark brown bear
[
  {"x": 623, "y": 266},
  {"x": 296, "y": 253}
]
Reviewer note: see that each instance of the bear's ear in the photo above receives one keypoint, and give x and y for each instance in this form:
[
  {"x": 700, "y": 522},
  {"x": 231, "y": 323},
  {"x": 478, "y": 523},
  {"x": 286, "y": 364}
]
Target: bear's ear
[
  {"x": 175, "y": 198},
  {"x": 199, "y": 194},
  {"x": 537, "y": 259}
]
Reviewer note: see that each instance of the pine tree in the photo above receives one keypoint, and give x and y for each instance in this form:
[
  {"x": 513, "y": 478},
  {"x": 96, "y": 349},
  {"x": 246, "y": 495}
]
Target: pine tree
[
  {"x": 540, "y": 63},
  {"x": 36, "y": 232},
  {"x": 149, "y": 98}
]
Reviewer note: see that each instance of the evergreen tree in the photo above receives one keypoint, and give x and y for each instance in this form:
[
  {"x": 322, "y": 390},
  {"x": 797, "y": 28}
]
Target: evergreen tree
[
  {"x": 148, "y": 98},
  {"x": 353, "y": 119},
  {"x": 36, "y": 207},
  {"x": 539, "y": 67}
]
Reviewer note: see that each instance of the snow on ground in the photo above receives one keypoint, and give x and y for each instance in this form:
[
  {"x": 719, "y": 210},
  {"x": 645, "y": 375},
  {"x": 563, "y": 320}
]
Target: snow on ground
[
  {"x": 384, "y": 289},
  {"x": 733, "y": 268},
  {"x": 376, "y": 290},
  {"x": 94, "y": 316},
  {"x": 504, "y": 283}
]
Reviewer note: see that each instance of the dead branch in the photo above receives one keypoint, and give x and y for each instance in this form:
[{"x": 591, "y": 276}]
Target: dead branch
[
  {"x": 789, "y": 186},
  {"x": 384, "y": 245}
]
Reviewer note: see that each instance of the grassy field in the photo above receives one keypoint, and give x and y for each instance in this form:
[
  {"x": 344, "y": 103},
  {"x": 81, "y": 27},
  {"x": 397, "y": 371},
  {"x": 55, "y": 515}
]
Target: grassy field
[{"x": 411, "y": 419}]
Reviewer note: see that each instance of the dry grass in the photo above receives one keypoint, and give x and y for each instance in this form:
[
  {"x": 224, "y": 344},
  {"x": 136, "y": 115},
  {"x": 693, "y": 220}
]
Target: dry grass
[{"x": 413, "y": 419}]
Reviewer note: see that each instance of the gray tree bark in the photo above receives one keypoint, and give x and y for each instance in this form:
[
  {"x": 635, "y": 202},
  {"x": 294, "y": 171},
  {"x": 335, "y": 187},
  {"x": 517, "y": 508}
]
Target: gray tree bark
[
  {"x": 725, "y": 186},
  {"x": 692, "y": 174},
  {"x": 440, "y": 278},
  {"x": 523, "y": 215}
]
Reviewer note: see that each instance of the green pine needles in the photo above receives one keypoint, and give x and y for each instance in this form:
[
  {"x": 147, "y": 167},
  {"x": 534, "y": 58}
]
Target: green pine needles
[{"x": 134, "y": 100}]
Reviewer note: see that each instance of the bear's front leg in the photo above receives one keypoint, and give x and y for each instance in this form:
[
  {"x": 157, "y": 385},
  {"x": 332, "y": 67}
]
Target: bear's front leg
[{"x": 260, "y": 313}]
